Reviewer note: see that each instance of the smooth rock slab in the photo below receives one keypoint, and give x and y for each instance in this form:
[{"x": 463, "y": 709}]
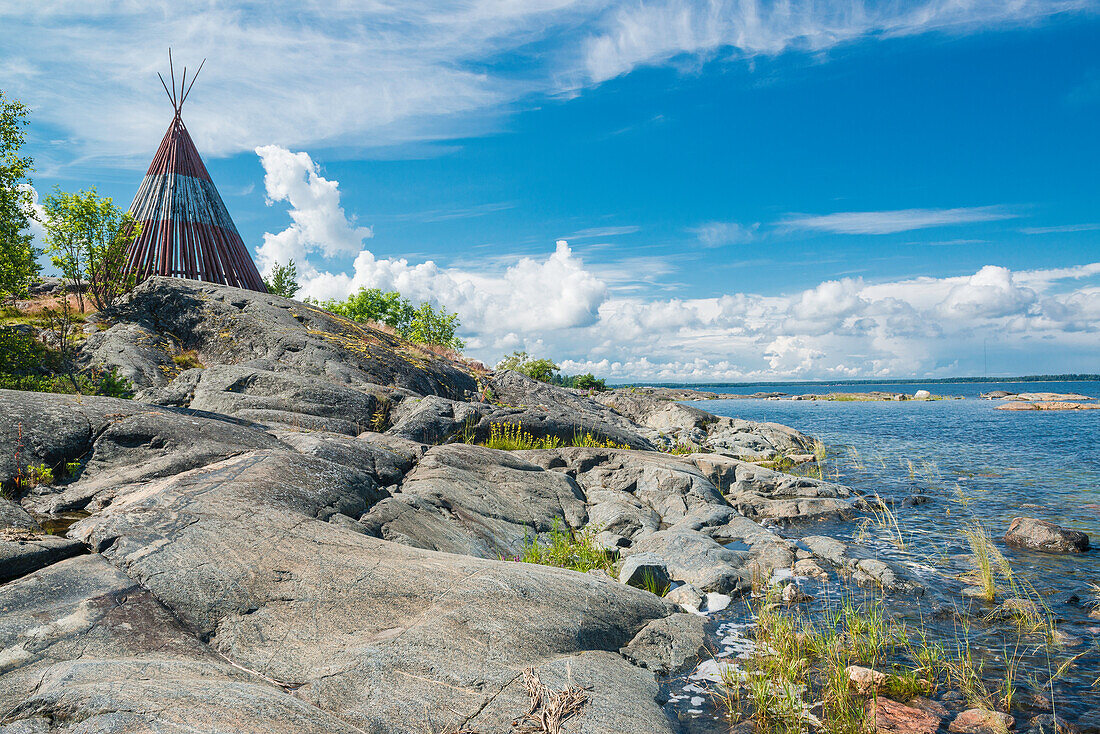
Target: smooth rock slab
[
  {"x": 22, "y": 552},
  {"x": 385, "y": 636},
  {"x": 1029, "y": 533}
]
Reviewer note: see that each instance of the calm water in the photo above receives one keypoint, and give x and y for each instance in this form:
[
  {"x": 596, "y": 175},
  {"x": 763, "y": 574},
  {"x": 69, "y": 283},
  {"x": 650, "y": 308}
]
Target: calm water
[{"x": 974, "y": 464}]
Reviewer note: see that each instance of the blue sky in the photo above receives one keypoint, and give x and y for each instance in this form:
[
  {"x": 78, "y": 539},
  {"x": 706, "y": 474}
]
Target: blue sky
[{"x": 745, "y": 190}]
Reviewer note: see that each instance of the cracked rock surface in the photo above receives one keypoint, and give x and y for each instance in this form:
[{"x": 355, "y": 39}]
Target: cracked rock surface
[{"x": 290, "y": 538}]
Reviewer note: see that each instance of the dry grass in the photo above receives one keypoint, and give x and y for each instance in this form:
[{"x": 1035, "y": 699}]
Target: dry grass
[{"x": 549, "y": 709}]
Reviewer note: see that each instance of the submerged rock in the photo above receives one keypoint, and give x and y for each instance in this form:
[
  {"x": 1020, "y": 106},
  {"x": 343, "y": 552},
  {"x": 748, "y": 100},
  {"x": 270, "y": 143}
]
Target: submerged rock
[
  {"x": 981, "y": 721},
  {"x": 1029, "y": 533}
]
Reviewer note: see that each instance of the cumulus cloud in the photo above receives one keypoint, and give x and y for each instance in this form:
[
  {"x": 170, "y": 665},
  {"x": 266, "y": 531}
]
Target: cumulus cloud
[
  {"x": 529, "y": 294},
  {"x": 556, "y": 305},
  {"x": 891, "y": 222},
  {"x": 319, "y": 223}
]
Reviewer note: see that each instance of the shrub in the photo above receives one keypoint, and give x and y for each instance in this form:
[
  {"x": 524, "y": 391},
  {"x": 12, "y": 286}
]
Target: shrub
[
  {"x": 88, "y": 237},
  {"x": 424, "y": 324}
]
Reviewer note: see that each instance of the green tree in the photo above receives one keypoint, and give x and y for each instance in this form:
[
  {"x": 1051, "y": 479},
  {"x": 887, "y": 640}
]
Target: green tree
[
  {"x": 284, "y": 280},
  {"x": 435, "y": 327},
  {"x": 18, "y": 264},
  {"x": 87, "y": 237},
  {"x": 538, "y": 369},
  {"x": 588, "y": 381},
  {"x": 371, "y": 304}
]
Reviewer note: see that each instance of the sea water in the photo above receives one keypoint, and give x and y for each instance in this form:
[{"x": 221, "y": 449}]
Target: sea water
[{"x": 971, "y": 464}]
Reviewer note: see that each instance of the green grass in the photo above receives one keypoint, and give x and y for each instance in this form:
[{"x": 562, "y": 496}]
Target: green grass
[
  {"x": 513, "y": 437},
  {"x": 187, "y": 360},
  {"x": 566, "y": 548},
  {"x": 654, "y": 584},
  {"x": 988, "y": 561}
]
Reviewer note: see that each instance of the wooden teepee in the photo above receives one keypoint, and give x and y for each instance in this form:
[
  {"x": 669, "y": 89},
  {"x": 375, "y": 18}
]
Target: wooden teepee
[{"x": 186, "y": 231}]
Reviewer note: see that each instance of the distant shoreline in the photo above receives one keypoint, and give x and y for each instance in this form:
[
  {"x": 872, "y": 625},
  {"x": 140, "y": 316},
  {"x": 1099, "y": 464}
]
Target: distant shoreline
[{"x": 892, "y": 381}]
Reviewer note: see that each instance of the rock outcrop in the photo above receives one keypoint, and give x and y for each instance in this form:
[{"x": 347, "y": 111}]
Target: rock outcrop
[{"x": 291, "y": 529}]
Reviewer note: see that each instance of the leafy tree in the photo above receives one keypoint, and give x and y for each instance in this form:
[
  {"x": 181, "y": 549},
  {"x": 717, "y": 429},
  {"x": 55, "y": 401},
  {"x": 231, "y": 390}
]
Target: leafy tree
[
  {"x": 18, "y": 266},
  {"x": 424, "y": 325},
  {"x": 435, "y": 327},
  {"x": 284, "y": 280},
  {"x": 371, "y": 304},
  {"x": 588, "y": 381},
  {"x": 539, "y": 369},
  {"x": 87, "y": 237}
]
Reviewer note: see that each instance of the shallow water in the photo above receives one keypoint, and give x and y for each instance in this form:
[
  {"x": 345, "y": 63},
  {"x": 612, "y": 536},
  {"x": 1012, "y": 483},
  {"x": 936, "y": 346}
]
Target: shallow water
[{"x": 974, "y": 464}]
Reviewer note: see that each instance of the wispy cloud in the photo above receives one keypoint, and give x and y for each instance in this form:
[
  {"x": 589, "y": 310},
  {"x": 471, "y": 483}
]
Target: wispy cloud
[
  {"x": 444, "y": 215},
  {"x": 369, "y": 74},
  {"x": 891, "y": 222},
  {"x": 593, "y": 233},
  {"x": 657, "y": 31},
  {"x": 716, "y": 234},
  {"x": 1062, "y": 228}
]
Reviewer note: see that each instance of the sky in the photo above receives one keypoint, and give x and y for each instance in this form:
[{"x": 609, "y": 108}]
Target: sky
[{"x": 655, "y": 190}]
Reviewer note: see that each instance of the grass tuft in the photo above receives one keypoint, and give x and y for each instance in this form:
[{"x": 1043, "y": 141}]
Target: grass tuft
[{"x": 565, "y": 548}]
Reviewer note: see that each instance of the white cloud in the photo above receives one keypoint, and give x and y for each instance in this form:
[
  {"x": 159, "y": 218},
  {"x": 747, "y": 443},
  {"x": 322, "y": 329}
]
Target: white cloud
[
  {"x": 557, "y": 306},
  {"x": 365, "y": 73},
  {"x": 890, "y": 222},
  {"x": 1062, "y": 228},
  {"x": 656, "y": 31},
  {"x": 716, "y": 234},
  {"x": 319, "y": 223}
]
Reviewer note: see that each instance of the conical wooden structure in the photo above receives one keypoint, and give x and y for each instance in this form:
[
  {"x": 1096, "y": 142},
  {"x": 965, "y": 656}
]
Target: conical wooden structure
[{"x": 186, "y": 231}]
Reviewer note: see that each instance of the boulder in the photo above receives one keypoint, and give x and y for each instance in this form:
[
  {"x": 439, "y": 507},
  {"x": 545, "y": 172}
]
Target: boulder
[
  {"x": 922, "y": 395},
  {"x": 687, "y": 597},
  {"x": 695, "y": 559},
  {"x": 1051, "y": 724},
  {"x": 386, "y": 458},
  {"x": 14, "y": 516},
  {"x": 476, "y": 501},
  {"x": 87, "y": 649},
  {"x": 546, "y": 410},
  {"x": 980, "y": 721},
  {"x": 434, "y": 419},
  {"x": 891, "y": 717},
  {"x": 136, "y": 352},
  {"x": 1027, "y": 533},
  {"x": 279, "y": 398},
  {"x": 641, "y": 569},
  {"x": 865, "y": 681},
  {"x": 760, "y": 493},
  {"x": 1017, "y": 608},
  {"x": 669, "y": 645}
]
